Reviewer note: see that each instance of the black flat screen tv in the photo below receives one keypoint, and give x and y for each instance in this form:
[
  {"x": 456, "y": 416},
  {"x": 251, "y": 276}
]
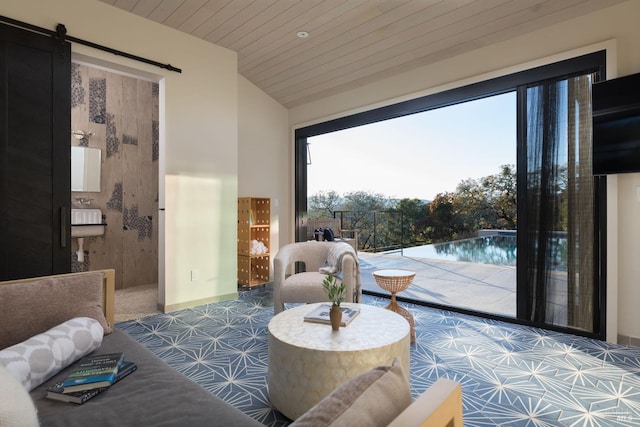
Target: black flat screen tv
[{"x": 616, "y": 125}]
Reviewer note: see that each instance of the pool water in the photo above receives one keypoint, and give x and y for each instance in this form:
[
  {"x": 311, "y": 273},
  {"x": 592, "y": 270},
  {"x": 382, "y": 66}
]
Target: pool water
[{"x": 497, "y": 250}]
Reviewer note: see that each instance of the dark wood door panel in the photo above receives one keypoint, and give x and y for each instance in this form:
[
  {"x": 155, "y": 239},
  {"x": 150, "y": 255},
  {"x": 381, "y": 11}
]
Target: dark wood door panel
[{"x": 35, "y": 109}]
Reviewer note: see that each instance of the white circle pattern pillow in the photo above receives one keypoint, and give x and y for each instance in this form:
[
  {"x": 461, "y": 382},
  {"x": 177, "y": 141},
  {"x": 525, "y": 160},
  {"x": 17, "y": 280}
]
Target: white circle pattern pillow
[{"x": 40, "y": 357}]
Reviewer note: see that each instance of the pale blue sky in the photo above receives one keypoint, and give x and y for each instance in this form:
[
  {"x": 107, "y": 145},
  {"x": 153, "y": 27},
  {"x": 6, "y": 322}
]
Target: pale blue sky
[{"x": 417, "y": 156}]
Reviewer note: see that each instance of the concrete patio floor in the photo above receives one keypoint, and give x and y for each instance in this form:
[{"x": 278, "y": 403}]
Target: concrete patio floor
[{"x": 479, "y": 287}]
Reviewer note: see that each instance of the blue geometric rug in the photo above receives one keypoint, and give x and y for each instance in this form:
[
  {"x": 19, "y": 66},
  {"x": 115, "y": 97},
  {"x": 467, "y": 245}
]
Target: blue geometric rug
[{"x": 511, "y": 375}]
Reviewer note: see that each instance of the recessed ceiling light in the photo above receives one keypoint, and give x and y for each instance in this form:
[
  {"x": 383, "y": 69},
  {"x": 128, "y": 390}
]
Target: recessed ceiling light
[{"x": 302, "y": 34}]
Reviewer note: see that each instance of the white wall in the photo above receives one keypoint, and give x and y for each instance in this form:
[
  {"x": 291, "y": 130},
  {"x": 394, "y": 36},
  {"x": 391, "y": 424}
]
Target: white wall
[
  {"x": 619, "y": 23},
  {"x": 265, "y": 157},
  {"x": 199, "y": 137},
  {"x": 629, "y": 255}
]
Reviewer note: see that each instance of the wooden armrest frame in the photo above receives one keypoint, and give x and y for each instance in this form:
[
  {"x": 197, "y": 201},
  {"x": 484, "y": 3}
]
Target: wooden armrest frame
[{"x": 439, "y": 406}]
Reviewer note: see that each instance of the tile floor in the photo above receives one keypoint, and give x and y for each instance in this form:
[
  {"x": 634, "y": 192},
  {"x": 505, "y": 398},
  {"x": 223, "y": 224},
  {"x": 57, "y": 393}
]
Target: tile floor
[{"x": 511, "y": 375}]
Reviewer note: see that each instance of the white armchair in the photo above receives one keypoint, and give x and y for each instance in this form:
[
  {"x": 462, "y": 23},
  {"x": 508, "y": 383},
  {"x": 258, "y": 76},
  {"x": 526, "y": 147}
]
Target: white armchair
[{"x": 306, "y": 286}]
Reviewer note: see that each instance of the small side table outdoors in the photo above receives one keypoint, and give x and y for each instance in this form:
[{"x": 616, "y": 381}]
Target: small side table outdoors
[{"x": 394, "y": 281}]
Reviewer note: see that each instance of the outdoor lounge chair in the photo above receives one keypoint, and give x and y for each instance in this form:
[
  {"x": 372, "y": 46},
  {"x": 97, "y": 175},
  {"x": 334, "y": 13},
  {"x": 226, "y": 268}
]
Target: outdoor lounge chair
[{"x": 340, "y": 235}]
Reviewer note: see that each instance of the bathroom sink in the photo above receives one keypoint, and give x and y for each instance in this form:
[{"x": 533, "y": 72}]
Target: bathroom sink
[
  {"x": 85, "y": 223},
  {"x": 87, "y": 230},
  {"x": 86, "y": 216}
]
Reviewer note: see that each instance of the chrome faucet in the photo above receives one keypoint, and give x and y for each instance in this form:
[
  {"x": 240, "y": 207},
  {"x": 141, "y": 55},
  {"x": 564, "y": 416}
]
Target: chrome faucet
[{"x": 83, "y": 201}]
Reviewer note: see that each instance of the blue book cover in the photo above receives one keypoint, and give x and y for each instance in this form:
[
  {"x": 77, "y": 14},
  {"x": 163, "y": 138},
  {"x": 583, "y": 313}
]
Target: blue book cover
[
  {"x": 98, "y": 370},
  {"x": 56, "y": 392}
]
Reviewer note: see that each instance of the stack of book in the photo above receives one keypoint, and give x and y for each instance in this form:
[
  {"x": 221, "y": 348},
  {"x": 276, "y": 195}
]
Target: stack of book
[{"x": 93, "y": 375}]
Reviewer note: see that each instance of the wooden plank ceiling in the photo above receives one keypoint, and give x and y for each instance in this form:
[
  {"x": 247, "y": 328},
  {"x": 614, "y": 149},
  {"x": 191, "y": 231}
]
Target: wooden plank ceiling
[{"x": 350, "y": 42}]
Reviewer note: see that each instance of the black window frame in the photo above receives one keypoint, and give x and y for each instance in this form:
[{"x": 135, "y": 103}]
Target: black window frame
[{"x": 591, "y": 62}]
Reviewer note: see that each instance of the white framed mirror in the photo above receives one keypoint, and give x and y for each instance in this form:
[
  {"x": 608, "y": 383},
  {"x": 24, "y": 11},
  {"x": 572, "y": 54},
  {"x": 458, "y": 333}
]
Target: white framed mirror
[{"x": 85, "y": 169}]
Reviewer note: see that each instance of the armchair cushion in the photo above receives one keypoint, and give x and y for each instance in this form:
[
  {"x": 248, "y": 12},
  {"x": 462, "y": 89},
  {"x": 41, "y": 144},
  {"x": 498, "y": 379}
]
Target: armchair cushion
[
  {"x": 303, "y": 287},
  {"x": 306, "y": 287}
]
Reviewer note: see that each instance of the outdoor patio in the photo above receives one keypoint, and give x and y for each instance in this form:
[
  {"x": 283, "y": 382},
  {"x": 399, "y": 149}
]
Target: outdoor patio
[{"x": 480, "y": 287}]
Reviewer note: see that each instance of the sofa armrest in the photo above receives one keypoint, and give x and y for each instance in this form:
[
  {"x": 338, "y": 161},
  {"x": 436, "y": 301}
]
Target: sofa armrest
[{"x": 440, "y": 405}]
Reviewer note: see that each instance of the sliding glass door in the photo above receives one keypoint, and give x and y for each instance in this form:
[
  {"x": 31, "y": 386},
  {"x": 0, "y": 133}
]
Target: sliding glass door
[
  {"x": 561, "y": 233},
  {"x": 558, "y": 244}
]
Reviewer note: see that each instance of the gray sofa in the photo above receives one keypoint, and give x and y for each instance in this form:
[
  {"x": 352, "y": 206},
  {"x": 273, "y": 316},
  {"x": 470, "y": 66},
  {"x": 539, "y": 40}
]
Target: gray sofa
[{"x": 156, "y": 394}]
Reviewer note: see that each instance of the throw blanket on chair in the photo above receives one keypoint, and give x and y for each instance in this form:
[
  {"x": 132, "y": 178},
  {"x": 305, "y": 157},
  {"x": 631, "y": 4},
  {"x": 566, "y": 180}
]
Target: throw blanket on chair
[{"x": 334, "y": 264}]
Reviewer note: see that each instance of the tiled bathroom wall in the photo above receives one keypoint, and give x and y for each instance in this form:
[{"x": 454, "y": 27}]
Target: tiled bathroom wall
[{"x": 122, "y": 112}]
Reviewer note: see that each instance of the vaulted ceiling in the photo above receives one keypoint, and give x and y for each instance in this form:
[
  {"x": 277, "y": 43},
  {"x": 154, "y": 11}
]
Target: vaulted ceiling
[{"x": 350, "y": 42}]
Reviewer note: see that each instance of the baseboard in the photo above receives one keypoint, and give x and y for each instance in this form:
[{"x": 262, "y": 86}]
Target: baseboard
[
  {"x": 627, "y": 340},
  {"x": 189, "y": 304}
]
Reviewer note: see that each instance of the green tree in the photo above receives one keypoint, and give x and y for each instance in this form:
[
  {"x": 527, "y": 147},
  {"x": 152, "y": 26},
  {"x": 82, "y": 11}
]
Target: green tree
[
  {"x": 488, "y": 202},
  {"x": 361, "y": 206},
  {"x": 414, "y": 219},
  {"x": 365, "y": 201},
  {"x": 485, "y": 203},
  {"x": 471, "y": 207},
  {"x": 501, "y": 190},
  {"x": 441, "y": 224},
  {"x": 323, "y": 204}
]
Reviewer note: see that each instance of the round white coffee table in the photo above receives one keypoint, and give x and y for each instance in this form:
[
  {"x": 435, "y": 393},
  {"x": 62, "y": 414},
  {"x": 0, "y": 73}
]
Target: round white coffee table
[{"x": 307, "y": 361}]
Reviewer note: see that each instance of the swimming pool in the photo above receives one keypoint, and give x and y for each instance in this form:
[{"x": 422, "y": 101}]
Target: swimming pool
[{"x": 497, "y": 250}]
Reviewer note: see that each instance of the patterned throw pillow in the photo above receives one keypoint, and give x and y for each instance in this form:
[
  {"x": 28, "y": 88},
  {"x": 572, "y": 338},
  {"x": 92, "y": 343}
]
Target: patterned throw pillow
[{"x": 40, "y": 357}]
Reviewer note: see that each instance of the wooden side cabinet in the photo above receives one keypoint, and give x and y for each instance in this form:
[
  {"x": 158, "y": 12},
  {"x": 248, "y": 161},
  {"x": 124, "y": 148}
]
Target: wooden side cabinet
[{"x": 254, "y": 231}]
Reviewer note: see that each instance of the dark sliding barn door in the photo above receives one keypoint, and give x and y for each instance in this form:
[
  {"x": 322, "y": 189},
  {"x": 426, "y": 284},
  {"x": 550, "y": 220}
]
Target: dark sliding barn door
[{"x": 35, "y": 123}]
